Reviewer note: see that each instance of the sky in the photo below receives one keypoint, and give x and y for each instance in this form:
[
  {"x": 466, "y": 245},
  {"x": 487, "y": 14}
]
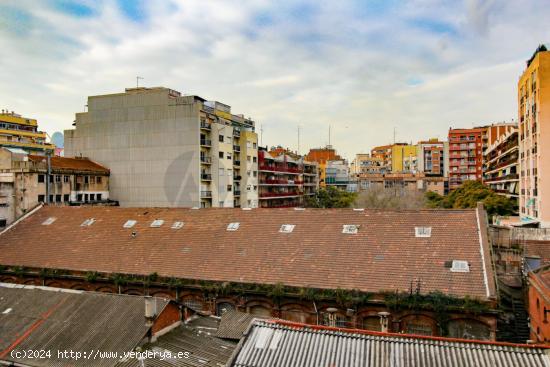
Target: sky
[{"x": 362, "y": 68}]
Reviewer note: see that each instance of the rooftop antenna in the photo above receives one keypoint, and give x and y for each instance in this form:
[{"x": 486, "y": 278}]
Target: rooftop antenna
[
  {"x": 329, "y": 134},
  {"x": 394, "y": 135},
  {"x": 261, "y": 133},
  {"x": 137, "y": 80},
  {"x": 298, "y": 139}
]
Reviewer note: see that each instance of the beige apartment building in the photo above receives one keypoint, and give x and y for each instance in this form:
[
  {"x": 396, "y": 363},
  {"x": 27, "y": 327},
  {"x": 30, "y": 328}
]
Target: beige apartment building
[
  {"x": 166, "y": 149},
  {"x": 500, "y": 160},
  {"x": 28, "y": 180},
  {"x": 534, "y": 138}
]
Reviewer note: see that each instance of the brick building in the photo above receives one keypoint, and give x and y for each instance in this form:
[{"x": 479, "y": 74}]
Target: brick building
[
  {"x": 466, "y": 155},
  {"x": 299, "y": 265},
  {"x": 539, "y": 304}
]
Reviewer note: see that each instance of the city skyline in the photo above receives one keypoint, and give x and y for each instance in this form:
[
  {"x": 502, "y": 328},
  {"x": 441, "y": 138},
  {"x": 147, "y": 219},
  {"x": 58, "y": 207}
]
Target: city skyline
[{"x": 364, "y": 68}]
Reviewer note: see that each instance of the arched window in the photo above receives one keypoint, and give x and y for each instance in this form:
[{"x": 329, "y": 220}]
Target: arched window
[
  {"x": 223, "y": 307},
  {"x": 371, "y": 323}
]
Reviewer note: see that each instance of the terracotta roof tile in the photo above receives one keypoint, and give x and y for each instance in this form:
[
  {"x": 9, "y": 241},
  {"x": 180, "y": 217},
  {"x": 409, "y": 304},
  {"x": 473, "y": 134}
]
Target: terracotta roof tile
[
  {"x": 384, "y": 255},
  {"x": 74, "y": 164}
]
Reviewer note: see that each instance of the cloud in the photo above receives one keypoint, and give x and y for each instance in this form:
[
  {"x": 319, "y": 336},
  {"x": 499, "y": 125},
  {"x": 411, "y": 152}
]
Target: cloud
[{"x": 362, "y": 67}]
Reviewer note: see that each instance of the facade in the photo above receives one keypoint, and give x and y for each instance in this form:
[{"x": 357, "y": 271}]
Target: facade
[
  {"x": 321, "y": 156},
  {"x": 396, "y": 158},
  {"x": 433, "y": 158},
  {"x": 169, "y": 150},
  {"x": 383, "y": 152},
  {"x": 337, "y": 174},
  {"x": 26, "y": 181},
  {"x": 285, "y": 179},
  {"x": 534, "y": 138},
  {"x": 365, "y": 163},
  {"x": 466, "y": 155},
  {"x": 539, "y": 304},
  {"x": 22, "y": 133},
  {"x": 404, "y": 181},
  {"x": 271, "y": 263},
  {"x": 282, "y": 343},
  {"x": 500, "y": 163}
]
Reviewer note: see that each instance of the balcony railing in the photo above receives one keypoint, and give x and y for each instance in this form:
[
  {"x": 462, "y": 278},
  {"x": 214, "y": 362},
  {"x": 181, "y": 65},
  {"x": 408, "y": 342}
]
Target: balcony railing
[
  {"x": 237, "y": 148},
  {"x": 237, "y": 192},
  {"x": 206, "y": 177},
  {"x": 205, "y": 125},
  {"x": 512, "y": 176},
  {"x": 206, "y": 160},
  {"x": 278, "y": 194},
  {"x": 206, "y": 194},
  {"x": 237, "y": 178},
  {"x": 236, "y": 163},
  {"x": 206, "y": 142},
  {"x": 266, "y": 167},
  {"x": 236, "y": 133}
]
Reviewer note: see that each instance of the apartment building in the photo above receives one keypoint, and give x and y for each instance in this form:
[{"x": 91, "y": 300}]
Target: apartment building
[
  {"x": 321, "y": 156},
  {"x": 21, "y": 132},
  {"x": 365, "y": 163},
  {"x": 534, "y": 138},
  {"x": 466, "y": 155},
  {"x": 433, "y": 157},
  {"x": 398, "y": 157},
  {"x": 285, "y": 179},
  {"x": 165, "y": 149},
  {"x": 500, "y": 162},
  {"x": 337, "y": 174},
  {"x": 28, "y": 180}
]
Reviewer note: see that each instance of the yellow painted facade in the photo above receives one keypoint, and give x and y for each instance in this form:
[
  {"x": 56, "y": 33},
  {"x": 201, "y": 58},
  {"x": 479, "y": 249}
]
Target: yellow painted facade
[
  {"x": 403, "y": 158},
  {"x": 322, "y": 174},
  {"x": 21, "y": 132}
]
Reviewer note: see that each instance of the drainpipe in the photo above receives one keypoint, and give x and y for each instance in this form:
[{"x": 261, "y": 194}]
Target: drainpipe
[
  {"x": 48, "y": 174},
  {"x": 316, "y": 312}
]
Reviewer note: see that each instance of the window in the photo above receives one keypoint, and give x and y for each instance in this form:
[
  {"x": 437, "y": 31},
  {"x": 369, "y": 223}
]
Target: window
[
  {"x": 51, "y": 179},
  {"x": 66, "y": 198},
  {"x": 3, "y": 222},
  {"x": 254, "y": 159},
  {"x": 460, "y": 266},
  {"x": 57, "y": 178},
  {"x": 58, "y": 198},
  {"x": 248, "y": 158},
  {"x": 92, "y": 179},
  {"x": 98, "y": 179},
  {"x": 220, "y": 155},
  {"x": 88, "y": 222},
  {"x": 287, "y": 228},
  {"x": 40, "y": 178},
  {"x": 130, "y": 223},
  {"x": 255, "y": 145},
  {"x": 350, "y": 228},
  {"x": 423, "y": 231},
  {"x": 49, "y": 221},
  {"x": 86, "y": 179},
  {"x": 220, "y": 138},
  {"x": 228, "y": 155},
  {"x": 233, "y": 226},
  {"x": 51, "y": 198},
  {"x": 229, "y": 188},
  {"x": 98, "y": 197},
  {"x": 177, "y": 225},
  {"x": 255, "y": 173},
  {"x": 157, "y": 223},
  {"x": 229, "y": 172},
  {"x": 41, "y": 198},
  {"x": 66, "y": 179},
  {"x": 92, "y": 197}
]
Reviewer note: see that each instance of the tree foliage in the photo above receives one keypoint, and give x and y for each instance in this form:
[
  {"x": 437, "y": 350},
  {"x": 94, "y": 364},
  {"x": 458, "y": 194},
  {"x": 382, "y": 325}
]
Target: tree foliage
[
  {"x": 331, "y": 197},
  {"x": 379, "y": 197},
  {"x": 468, "y": 195}
]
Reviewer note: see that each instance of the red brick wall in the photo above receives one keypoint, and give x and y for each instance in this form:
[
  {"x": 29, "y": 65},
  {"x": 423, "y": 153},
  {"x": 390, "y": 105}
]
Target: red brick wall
[
  {"x": 170, "y": 315},
  {"x": 540, "y": 329}
]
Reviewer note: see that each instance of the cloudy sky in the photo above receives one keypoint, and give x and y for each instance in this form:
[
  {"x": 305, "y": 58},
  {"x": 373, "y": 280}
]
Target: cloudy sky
[{"x": 362, "y": 67}]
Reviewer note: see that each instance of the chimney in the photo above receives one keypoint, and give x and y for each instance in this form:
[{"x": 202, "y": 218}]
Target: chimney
[
  {"x": 150, "y": 310},
  {"x": 384, "y": 320}
]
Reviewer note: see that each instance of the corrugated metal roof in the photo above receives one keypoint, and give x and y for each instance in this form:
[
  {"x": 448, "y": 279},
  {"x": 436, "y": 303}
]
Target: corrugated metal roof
[
  {"x": 270, "y": 343},
  {"x": 203, "y": 348},
  {"x": 234, "y": 323},
  {"x": 52, "y": 319}
]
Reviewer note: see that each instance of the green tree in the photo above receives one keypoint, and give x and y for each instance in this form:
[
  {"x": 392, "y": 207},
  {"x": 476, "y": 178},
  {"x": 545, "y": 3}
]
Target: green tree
[
  {"x": 468, "y": 195},
  {"x": 331, "y": 197}
]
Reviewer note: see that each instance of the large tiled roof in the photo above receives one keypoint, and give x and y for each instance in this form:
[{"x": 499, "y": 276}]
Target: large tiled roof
[
  {"x": 50, "y": 319},
  {"x": 72, "y": 164},
  {"x": 285, "y": 344},
  {"x": 233, "y": 324},
  {"x": 383, "y": 255}
]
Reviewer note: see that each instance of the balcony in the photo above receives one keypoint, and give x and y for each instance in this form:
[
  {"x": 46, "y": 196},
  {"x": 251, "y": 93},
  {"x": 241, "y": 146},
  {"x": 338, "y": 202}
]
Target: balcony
[
  {"x": 206, "y": 194},
  {"x": 236, "y": 133},
  {"x": 236, "y": 163},
  {"x": 512, "y": 176},
  {"x": 237, "y": 178},
  {"x": 205, "y": 125},
  {"x": 275, "y": 168},
  {"x": 237, "y": 192},
  {"x": 206, "y": 160},
  {"x": 236, "y": 148},
  {"x": 278, "y": 194},
  {"x": 206, "y": 176},
  {"x": 206, "y": 142}
]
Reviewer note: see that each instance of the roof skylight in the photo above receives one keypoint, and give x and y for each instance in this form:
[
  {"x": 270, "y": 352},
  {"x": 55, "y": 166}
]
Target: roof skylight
[
  {"x": 460, "y": 266},
  {"x": 233, "y": 226},
  {"x": 350, "y": 228},
  {"x": 88, "y": 222},
  {"x": 49, "y": 221},
  {"x": 157, "y": 223},
  {"x": 423, "y": 231},
  {"x": 130, "y": 223},
  {"x": 287, "y": 228},
  {"x": 177, "y": 225}
]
